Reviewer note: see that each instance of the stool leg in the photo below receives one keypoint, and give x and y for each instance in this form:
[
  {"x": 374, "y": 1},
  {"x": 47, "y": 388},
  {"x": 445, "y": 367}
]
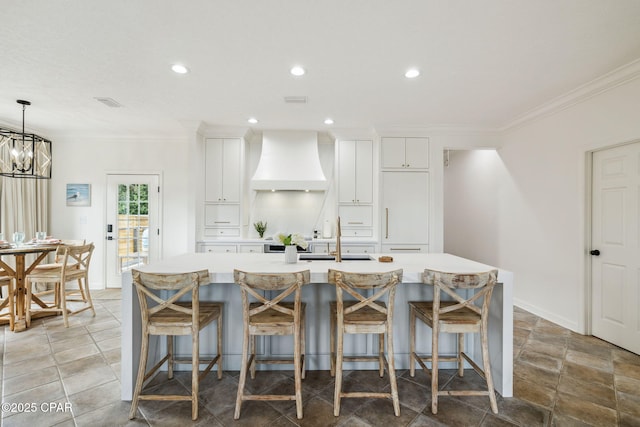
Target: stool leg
[
  {"x": 460, "y": 358},
  {"x": 412, "y": 341},
  {"x": 487, "y": 367},
  {"x": 141, "y": 373},
  {"x": 434, "y": 369},
  {"x": 169, "y": 356},
  {"x": 220, "y": 346},
  {"x": 338, "y": 389},
  {"x": 297, "y": 368},
  {"x": 243, "y": 370},
  {"x": 195, "y": 373},
  {"x": 63, "y": 303},
  {"x": 252, "y": 352},
  {"x": 332, "y": 342},
  {"x": 392, "y": 372},
  {"x": 303, "y": 344},
  {"x": 381, "y": 354}
]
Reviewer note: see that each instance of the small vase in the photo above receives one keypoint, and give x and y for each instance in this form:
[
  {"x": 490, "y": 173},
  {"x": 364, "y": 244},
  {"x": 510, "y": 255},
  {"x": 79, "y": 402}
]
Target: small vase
[{"x": 290, "y": 254}]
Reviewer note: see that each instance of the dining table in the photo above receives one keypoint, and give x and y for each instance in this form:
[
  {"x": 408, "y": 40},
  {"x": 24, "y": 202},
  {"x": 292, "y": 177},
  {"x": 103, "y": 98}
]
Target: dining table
[{"x": 19, "y": 273}]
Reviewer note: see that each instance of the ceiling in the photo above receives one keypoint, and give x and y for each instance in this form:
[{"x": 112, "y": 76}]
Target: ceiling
[{"x": 483, "y": 63}]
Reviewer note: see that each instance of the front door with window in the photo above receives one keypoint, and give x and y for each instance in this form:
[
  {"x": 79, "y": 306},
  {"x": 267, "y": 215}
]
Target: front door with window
[{"x": 132, "y": 224}]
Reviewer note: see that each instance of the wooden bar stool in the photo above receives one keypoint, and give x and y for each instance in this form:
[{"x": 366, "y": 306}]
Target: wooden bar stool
[
  {"x": 460, "y": 316},
  {"x": 364, "y": 315},
  {"x": 8, "y": 301},
  {"x": 73, "y": 266},
  {"x": 272, "y": 317},
  {"x": 171, "y": 317}
]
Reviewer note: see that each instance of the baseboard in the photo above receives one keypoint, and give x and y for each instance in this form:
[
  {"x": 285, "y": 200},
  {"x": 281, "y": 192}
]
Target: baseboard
[{"x": 547, "y": 315}]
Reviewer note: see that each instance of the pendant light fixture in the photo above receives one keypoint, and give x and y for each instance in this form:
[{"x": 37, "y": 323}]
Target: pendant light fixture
[{"x": 24, "y": 155}]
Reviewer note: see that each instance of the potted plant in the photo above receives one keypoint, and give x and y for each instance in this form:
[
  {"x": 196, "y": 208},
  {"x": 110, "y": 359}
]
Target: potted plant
[
  {"x": 290, "y": 242},
  {"x": 260, "y": 227}
]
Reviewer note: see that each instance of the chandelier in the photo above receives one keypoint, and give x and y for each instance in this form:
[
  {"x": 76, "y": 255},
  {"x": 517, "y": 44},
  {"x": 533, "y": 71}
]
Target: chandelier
[{"x": 24, "y": 155}]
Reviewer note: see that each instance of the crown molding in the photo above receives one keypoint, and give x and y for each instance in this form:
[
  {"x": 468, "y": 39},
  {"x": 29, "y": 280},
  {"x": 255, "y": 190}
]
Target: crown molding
[{"x": 607, "y": 82}]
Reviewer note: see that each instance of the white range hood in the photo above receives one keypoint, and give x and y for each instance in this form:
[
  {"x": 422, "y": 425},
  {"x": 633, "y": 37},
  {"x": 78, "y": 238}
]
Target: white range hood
[{"x": 289, "y": 161}]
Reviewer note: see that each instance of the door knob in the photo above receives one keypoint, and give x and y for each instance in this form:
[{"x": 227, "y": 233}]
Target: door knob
[{"x": 595, "y": 252}]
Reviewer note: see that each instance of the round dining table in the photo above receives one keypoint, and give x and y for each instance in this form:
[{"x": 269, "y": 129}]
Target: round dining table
[{"x": 20, "y": 272}]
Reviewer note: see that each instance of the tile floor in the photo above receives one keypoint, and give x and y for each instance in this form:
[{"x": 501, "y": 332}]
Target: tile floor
[{"x": 71, "y": 377}]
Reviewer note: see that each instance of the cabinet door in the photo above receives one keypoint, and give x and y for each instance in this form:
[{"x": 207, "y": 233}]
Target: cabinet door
[
  {"x": 213, "y": 170},
  {"x": 231, "y": 171},
  {"x": 222, "y": 170},
  {"x": 346, "y": 172},
  {"x": 393, "y": 152},
  {"x": 364, "y": 172},
  {"x": 219, "y": 215},
  {"x": 417, "y": 153},
  {"x": 405, "y": 207}
]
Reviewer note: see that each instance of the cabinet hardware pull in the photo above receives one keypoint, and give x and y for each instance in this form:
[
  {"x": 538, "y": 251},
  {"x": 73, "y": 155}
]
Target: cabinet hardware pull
[
  {"x": 355, "y": 222},
  {"x": 222, "y": 222},
  {"x": 405, "y": 249},
  {"x": 387, "y": 222}
]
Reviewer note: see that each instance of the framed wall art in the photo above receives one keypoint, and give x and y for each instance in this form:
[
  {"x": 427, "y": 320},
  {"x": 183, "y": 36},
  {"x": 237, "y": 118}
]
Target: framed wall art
[{"x": 78, "y": 194}]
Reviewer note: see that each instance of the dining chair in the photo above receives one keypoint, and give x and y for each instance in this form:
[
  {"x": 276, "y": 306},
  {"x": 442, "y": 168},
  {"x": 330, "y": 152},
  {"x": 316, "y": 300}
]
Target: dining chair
[
  {"x": 74, "y": 268},
  {"x": 57, "y": 265},
  {"x": 8, "y": 301},
  {"x": 167, "y": 316},
  {"x": 460, "y": 315},
  {"x": 363, "y": 314},
  {"x": 272, "y": 316}
]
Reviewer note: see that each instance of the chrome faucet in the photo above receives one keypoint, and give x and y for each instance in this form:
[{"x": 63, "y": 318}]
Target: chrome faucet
[{"x": 338, "y": 244}]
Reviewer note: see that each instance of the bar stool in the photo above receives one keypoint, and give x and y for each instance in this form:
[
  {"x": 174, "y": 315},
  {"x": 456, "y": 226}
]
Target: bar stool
[
  {"x": 73, "y": 266},
  {"x": 6, "y": 280},
  {"x": 272, "y": 317},
  {"x": 364, "y": 315},
  {"x": 459, "y": 316},
  {"x": 171, "y": 317}
]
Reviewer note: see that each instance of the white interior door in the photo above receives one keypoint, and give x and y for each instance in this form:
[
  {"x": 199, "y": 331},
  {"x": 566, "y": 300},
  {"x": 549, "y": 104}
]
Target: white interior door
[
  {"x": 615, "y": 249},
  {"x": 132, "y": 228}
]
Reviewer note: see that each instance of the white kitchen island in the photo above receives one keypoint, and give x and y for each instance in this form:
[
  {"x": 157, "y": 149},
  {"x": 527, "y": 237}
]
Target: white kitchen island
[{"x": 317, "y": 295}]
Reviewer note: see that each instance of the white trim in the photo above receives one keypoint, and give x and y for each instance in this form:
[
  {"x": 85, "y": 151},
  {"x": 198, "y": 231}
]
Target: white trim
[
  {"x": 604, "y": 83},
  {"x": 547, "y": 315}
]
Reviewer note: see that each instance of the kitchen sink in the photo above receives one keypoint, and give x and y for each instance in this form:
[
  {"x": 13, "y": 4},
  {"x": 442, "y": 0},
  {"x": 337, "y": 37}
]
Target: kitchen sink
[{"x": 326, "y": 257}]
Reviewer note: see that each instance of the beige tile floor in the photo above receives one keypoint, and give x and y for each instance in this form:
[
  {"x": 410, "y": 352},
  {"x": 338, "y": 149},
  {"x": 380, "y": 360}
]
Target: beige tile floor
[{"x": 70, "y": 377}]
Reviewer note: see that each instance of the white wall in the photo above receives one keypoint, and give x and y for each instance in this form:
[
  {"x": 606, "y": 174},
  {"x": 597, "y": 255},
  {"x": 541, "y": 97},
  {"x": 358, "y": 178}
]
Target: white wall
[
  {"x": 471, "y": 195},
  {"x": 88, "y": 160},
  {"x": 542, "y": 200}
]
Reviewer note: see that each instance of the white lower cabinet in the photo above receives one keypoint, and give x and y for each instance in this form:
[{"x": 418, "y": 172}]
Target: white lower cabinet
[
  {"x": 325, "y": 248},
  {"x": 251, "y": 249},
  {"x": 218, "y": 248}
]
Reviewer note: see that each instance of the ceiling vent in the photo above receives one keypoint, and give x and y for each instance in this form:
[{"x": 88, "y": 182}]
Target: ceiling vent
[
  {"x": 109, "y": 102},
  {"x": 295, "y": 99},
  {"x": 289, "y": 160}
]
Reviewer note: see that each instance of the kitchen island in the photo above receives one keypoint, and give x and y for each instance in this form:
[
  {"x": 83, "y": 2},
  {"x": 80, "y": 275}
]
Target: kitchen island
[{"x": 317, "y": 295}]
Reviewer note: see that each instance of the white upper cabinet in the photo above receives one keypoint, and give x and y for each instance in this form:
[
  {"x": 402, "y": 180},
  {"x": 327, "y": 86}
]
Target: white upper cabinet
[
  {"x": 405, "y": 153},
  {"x": 222, "y": 177},
  {"x": 355, "y": 172}
]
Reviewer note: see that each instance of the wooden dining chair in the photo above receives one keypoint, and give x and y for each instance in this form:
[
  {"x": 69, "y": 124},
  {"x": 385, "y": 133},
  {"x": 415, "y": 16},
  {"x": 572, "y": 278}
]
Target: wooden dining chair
[
  {"x": 8, "y": 301},
  {"x": 57, "y": 265},
  {"x": 272, "y": 316},
  {"x": 167, "y": 316},
  {"x": 363, "y": 315},
  {"x": 461, "y": 315},
  {"x": 74, "y": 268}
]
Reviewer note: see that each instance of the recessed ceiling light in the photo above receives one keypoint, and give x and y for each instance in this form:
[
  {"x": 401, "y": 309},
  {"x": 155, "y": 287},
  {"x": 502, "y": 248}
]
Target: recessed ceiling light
[
  {"x": 297, "y": 71},
  {"x": 328, "y": 121},
  {"x": 412, "y": 73},
  {"x": 253, "y": 120},
  {"x": 179, "y": 68}
]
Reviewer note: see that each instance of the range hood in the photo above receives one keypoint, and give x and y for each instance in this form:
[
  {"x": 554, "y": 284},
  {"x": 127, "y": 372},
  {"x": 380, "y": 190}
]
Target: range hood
[{"x": 289, "y": 161}]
